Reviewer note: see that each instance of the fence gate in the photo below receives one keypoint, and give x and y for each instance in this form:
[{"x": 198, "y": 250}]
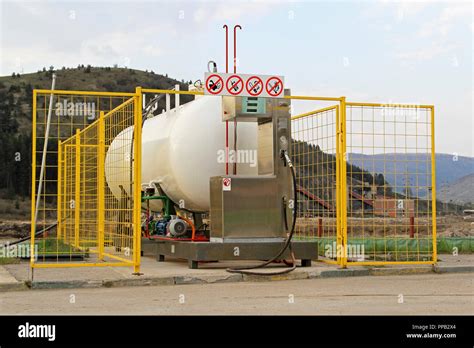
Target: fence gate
[
  {"x": 85, "y": 199},
  {"x": 316, "y": 156},
  {"x": 366, "y": 182},
  {"x": 390, "y": 187}
]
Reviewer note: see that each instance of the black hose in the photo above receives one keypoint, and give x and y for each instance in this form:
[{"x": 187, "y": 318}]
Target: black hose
[
  {"x": 29, "y": 237},
  {"x": 287, "y": 245}
]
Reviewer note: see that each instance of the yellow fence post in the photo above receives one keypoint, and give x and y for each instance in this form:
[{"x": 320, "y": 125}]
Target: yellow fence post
[
  {"x": 60, "y": 191},
  {"x": 137, "y": 163},
  {"x": 33, "y": 182},
  {"x": 101, "y": 187},
  {"x": 68, "y": 180},
  {"x": 77, "y": 198},
  {"x": 338, "y": 179},
  {"x": 433, "y": 185},
  {"x": 343, "y": 185}
]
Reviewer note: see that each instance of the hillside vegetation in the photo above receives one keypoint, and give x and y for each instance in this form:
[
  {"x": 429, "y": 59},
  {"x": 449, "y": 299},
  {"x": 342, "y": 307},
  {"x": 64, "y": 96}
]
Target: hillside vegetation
[{"x": 16, "y": 92}]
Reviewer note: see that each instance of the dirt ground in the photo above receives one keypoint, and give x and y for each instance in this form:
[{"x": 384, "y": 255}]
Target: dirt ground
[
  {"x": 395, "y": 295},
  {"x": 447, "y": 226}
]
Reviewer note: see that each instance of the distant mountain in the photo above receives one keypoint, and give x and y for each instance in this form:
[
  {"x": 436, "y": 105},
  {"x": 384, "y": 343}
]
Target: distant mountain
[
  {"x": 459, "y": 191},
  {"x": 401, "y": 170}
]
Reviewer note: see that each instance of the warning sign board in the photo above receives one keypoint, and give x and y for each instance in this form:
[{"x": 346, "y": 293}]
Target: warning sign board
[
  {"x": 274, "y": 86},
  {"x": 235, "y": 85},
  {"x": 245, "y": 85},
  {"x": 226, "y": 184},
  {"x": 254, "y": 86},
  {"x": 214, "y": 84}
]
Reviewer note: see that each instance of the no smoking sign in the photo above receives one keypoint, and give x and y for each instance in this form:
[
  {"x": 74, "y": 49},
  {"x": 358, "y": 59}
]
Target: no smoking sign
[{"x": 244, "y": 85}]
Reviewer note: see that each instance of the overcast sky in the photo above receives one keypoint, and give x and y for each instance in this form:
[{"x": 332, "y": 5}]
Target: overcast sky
[{"x": 409, "y": 52}]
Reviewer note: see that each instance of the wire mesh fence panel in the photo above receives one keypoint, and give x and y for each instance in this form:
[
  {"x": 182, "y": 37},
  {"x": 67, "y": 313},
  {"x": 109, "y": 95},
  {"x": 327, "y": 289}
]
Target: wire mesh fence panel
[
  {"x": 69, "y": 200},
  {"x": 390, "y": 184},
  {"x": 119, "y": 176},
  {"x": 314, "y": 151}
]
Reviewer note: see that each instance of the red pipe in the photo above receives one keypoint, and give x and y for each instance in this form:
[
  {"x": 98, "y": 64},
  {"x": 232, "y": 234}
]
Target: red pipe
[
  {"x": 226, "y": 147},
  {"x": 235, "y": 46},
  {"x": 226, "y": 47},
  {"x": 226, "y": 122},
  {"x": 235, "y": 71}
]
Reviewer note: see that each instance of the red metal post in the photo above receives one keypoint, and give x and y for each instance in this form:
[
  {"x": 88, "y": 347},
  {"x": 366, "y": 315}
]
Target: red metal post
[
  {"x": 235, "y": 71},
  {"x": 235, "y": 46},
  {"x": 412, "y": 226},
  {"x": 320, "y": 227},
  {"x": 226, "y": 122}
]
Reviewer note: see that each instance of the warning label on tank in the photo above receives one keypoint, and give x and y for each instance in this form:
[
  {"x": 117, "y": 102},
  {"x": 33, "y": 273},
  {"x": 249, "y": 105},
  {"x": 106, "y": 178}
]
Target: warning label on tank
[{"x": 226, "y": 184}]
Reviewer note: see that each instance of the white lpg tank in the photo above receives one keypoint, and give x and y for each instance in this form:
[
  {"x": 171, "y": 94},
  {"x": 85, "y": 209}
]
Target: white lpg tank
[{"x": 181, "y": 150}]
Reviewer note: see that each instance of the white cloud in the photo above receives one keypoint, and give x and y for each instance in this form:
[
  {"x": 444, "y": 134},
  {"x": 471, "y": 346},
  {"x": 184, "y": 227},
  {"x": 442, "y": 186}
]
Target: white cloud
[
  {"x": 398, "y": 9},
  {"x": 441, "y": 25},
  {"x": 425, "y": 53},
  {"x": 232, "y": 11},
  {"x": 32, "y": 8}
]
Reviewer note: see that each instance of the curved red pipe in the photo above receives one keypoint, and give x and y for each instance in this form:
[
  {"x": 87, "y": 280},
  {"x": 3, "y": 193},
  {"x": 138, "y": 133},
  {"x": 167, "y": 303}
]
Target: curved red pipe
[
  {"x": 226, "y": 47},
  {"x": 235, "y": 46}
]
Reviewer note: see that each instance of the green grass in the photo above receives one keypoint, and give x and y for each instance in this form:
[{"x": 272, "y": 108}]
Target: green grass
[{"x": 56, "y": 246}]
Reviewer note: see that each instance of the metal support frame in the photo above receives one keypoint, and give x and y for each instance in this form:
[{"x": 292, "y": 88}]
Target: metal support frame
[{"x": 196, "y": 252}]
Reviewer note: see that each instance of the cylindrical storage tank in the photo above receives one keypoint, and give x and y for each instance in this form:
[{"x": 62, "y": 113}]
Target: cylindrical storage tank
[{"x": 181, "y": 150}]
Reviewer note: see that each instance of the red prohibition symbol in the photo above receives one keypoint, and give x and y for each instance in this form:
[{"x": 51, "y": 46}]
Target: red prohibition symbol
[
  {"x": 254, "y": 85},
  {"x": 214, "y": 84},
  {"x": 235, "y": 84},
  {"x": 274, "y": 86}
]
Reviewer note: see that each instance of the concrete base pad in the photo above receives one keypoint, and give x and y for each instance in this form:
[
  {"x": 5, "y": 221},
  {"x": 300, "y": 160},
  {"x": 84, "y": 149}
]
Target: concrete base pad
[{"x": 175, "y": 271}]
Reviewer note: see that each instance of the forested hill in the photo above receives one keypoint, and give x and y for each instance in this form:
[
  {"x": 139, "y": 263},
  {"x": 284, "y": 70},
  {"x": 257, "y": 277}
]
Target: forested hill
[{"x": 16, "y": 93}]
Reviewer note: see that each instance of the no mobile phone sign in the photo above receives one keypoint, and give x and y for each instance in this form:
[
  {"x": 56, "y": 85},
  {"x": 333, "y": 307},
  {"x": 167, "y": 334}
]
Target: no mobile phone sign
[{"x": 244, "y": 85}]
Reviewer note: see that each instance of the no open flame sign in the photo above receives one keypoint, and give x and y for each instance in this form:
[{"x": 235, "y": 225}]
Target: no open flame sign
[{"x": 244, "y": 85}]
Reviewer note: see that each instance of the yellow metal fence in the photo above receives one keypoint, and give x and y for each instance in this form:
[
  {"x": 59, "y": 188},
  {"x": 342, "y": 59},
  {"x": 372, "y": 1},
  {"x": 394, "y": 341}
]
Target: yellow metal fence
[
  {"x": 86, "y": 197},
  {"x": 366, "y": 182},
  {"x": 365, "y": 174}
]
